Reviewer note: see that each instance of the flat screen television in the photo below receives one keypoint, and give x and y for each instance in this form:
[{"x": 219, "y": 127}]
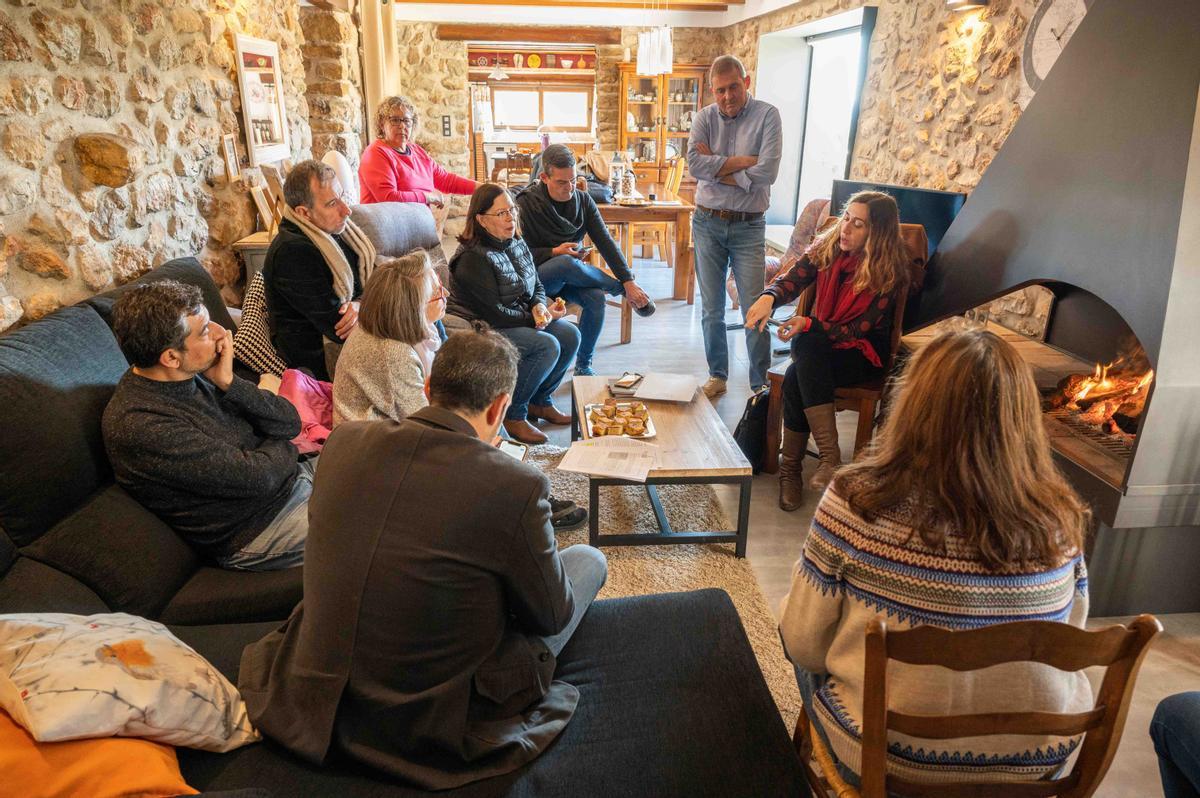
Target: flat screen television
[{"x": 934, "y": 209}]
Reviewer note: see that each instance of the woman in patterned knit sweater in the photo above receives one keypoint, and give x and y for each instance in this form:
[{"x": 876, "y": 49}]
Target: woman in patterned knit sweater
[
  {"x": 957, "y": 518},
  {"x": 859, "y": 266}
]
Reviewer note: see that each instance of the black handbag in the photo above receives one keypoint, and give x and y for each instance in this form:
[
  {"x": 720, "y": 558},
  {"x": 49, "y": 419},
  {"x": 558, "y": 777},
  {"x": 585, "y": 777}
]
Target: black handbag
[{"x": 751, "y": 430}]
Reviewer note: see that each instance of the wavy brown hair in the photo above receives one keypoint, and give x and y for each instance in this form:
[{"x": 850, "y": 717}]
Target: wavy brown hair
[
  {"x": 964, "y": 447},
  {"x": 885, "y": 260},
  {"x": 481, "y": 199}
]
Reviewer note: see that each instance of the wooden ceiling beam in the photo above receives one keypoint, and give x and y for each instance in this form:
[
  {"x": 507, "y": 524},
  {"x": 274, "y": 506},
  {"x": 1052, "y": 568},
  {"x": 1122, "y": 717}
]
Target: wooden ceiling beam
[{"x": 556, "y": 34}]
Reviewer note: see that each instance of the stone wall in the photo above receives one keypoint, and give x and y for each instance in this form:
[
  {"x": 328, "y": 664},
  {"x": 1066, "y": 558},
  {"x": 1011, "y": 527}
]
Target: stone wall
[
  {"x": 333, "y": 73},
  {"x": 111, "y": 116}
]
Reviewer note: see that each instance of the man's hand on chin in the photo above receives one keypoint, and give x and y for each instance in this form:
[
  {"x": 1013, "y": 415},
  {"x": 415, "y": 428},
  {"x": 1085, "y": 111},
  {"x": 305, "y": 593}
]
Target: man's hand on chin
[{"x": 220, "y": 373}]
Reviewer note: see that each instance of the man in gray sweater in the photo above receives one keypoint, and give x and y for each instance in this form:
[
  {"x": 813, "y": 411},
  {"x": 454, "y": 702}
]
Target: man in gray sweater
[{"x": 206, "y": 451}]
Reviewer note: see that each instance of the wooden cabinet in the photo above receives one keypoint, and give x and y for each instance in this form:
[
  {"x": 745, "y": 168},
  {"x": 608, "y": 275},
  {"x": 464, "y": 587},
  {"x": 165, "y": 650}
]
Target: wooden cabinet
[{"x": 656, "y": 117}]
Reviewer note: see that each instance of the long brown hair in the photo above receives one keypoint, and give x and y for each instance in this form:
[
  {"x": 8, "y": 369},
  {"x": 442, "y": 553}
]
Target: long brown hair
[
  {"x": 885, "y": 260},
  {"x": 964, "y": 447},
  {"x": 393, "y": 303},
  {"x": 481, "y": 199}
]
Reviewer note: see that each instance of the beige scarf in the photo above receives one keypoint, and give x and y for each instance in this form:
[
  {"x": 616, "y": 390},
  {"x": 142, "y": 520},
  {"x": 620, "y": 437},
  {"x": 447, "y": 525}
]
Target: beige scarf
[{"x": 339, "y": 267}]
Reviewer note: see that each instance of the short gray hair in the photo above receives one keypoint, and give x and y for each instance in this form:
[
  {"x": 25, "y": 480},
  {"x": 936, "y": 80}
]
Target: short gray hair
[
  {"x": 471, "y": 369},
  {"x": 388, "y": 107},
  {"x": 298, "y": 188},
  {"x": 557, "y": 156},
  {"x": 726, "y": 64}
]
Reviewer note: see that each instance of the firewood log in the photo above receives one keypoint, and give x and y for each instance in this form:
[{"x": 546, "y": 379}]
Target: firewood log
[{"x": 1128, "y": 415}]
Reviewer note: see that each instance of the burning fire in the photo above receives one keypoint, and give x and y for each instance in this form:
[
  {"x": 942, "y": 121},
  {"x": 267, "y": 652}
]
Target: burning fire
[{"x": 1112, "y": 397}]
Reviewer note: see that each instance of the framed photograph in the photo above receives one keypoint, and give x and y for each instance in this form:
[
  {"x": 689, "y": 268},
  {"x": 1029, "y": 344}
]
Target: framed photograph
[
  {"x": 265, "y": 212},
  {"x": 263, "y": 113},
  {"x": 229, "y": 150}
]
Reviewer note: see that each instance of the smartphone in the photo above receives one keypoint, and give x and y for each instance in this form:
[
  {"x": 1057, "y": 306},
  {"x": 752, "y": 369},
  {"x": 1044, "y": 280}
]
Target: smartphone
[
  {"x": 513, "y": 449},
  {"x": 582, "y": 251}
]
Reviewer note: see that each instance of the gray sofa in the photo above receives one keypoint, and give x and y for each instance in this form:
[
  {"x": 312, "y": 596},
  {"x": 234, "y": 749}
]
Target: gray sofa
[{"x": 673, "y": 702}]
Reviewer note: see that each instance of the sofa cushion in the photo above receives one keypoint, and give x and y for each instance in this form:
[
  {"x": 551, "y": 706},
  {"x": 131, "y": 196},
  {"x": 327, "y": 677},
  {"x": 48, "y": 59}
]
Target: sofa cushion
[
  {"x": 396, "y": 228},
  {"x": 185, "y": 270},
  {"x": 215, "y": 595},
  {"x": 56, "y": 376},
  {"x": 30, "y": 586},
  {"x": 121, "y": 550},
  {"x": 672, "y": 702}
]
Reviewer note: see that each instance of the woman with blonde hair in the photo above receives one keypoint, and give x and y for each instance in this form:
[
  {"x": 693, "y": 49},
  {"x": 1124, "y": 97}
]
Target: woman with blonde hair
[
  {"x": 382, "y": 369},
  {"x": 957, "y": 518},
  {"x": 394, "y": 168},
  {"x": 859, "y": 266}
]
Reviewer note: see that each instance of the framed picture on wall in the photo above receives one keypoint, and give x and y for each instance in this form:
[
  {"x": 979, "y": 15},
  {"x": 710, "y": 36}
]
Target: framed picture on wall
[
  {"x": 261, "y": 84},
  {"x": 229, "y": 150}
]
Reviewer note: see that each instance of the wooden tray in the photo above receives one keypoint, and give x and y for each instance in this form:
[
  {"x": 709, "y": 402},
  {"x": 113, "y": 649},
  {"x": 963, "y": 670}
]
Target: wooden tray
[
  {"x": 585, "y": 423},
  {"x": 634, "y": 202}
]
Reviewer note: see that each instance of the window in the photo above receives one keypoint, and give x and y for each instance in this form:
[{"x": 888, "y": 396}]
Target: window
[
  {"x": 832, "y": 94},
  {"x": 530, "y": 107}
]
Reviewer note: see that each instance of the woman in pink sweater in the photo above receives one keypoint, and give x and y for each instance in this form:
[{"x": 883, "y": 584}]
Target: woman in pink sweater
[{"x": 395, "y": 168}]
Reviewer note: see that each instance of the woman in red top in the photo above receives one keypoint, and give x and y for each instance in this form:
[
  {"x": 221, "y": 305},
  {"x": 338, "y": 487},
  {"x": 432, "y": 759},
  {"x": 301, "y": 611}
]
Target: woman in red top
[
  {"x": 395, "y": 168},
  {"x": 859, "y": 265}
]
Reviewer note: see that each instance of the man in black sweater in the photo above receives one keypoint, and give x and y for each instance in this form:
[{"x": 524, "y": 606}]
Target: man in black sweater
[
  {"x": 554, "y": 219},
  {"x": 302, "y": 302},
  {"x": 206, "y": 451}
]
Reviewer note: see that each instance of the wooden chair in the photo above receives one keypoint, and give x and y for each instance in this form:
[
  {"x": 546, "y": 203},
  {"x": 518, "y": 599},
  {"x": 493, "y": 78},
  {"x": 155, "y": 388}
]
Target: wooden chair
[
  {"x": 864, "y": 397},
  {"x": 516, "y": 168},
  {"x": 1120, "y": 649},
  {"x": 659, "y": 234}
]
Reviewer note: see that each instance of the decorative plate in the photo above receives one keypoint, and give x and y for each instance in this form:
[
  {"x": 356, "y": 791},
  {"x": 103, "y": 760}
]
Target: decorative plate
[
  {"x": 534, "y": 61},
  {"x": 481, "y": 61}
]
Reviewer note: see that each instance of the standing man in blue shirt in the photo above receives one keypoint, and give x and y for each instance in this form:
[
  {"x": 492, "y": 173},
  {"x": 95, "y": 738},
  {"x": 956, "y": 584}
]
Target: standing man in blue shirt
[{"x": 733, "y": 152}]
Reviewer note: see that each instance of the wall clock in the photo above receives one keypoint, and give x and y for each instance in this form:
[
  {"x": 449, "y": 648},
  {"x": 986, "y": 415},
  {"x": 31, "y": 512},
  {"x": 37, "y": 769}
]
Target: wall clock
[{"x": 1051, "y": 28}]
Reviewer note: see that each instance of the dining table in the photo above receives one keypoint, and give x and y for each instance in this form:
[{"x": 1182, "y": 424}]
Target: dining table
[{"x": 623, "y": 214}]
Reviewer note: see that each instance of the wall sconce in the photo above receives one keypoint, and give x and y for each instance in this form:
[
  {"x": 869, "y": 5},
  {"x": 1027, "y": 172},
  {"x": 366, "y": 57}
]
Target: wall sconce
[{"x": 964, "y": 5}]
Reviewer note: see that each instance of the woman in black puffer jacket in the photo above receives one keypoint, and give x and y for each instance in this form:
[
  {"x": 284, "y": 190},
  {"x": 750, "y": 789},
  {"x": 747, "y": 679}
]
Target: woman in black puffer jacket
[{"x": 493, "y": 279}]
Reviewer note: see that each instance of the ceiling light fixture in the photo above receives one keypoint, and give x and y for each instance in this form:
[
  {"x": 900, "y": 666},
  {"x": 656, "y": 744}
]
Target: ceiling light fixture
[
  {"x": 964, "y": 5},
  {"x": 498, "y": 72}
]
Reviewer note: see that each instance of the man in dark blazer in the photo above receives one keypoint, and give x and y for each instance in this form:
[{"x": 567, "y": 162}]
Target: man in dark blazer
[{"x": 435, "y": 597}]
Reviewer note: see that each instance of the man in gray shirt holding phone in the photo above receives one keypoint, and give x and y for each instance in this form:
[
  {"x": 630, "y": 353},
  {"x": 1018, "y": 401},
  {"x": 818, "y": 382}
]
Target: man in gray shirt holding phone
[{"x": 554, "y": 219}]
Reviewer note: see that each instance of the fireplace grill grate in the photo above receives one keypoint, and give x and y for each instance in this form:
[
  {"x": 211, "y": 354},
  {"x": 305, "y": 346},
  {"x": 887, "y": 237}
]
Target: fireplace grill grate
[{"x": 1116, "y": 445}]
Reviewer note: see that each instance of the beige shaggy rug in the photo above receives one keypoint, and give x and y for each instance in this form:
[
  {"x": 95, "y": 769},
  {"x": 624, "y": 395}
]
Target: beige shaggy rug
[{"x": 640, "y": 570}]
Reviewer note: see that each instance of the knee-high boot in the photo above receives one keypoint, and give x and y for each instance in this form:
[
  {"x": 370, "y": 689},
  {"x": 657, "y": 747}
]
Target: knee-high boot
[
  {"x": 791, "y": 469},
  {"x": 822, "y": 421}
]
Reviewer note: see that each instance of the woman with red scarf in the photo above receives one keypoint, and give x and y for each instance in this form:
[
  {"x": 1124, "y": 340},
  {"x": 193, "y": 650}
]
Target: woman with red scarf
[{"x": 859, "y": 266}]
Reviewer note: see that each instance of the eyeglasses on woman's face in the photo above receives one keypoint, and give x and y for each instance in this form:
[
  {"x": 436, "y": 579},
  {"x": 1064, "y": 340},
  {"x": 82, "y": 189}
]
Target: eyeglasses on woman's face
[
  {"x": 439, "y": 292},
  {"x": 402, "y": 121},
  {"x": 503, "y": 213}
]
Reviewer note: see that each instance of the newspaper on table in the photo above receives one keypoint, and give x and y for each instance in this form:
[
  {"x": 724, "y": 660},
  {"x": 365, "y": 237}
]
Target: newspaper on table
[{"x": 611, "y": 456}]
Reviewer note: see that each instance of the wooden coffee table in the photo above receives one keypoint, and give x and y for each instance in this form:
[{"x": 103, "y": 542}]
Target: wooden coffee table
[{"x": 694, "y": 447}]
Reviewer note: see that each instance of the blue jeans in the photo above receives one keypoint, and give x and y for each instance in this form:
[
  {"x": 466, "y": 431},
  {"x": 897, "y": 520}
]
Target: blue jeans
[
  {"x": 1175, "y": 730},
  {"x": 587, "y": 570},
  {"x": 545, "y": 357},
  {"x": 585, "y": 285},
  {"x": 281, "y": 544},
  {"x": 722, "y": 245}
]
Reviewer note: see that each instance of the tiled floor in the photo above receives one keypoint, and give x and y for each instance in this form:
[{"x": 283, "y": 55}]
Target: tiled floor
[{"x": 670, "y": 340}]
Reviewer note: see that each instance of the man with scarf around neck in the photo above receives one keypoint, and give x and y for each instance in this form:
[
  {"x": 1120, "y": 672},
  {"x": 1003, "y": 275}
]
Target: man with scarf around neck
[
  {"x": 860, "y": 266},
  {"x": 314, "y": 271},
  {"x": 554, "y": 219}
]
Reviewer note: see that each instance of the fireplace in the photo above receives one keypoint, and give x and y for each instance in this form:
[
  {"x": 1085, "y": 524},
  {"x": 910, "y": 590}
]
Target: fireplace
[{"x": 1095, "y": 196}]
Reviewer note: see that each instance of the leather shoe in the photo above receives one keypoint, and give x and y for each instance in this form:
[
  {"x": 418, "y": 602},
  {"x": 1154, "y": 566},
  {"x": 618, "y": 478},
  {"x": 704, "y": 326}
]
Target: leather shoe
[
  {"x": 524, "y": 432},
  {"x": 548, "y": 413}
]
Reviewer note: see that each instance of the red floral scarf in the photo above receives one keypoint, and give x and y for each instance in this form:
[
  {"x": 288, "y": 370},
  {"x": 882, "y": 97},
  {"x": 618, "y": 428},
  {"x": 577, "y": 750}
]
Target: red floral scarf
[{"x": 838, "y": 303}]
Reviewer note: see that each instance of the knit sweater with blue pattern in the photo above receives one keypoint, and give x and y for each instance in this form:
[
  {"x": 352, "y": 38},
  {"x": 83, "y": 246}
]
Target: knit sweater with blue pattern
[{"x": 853, "y": 570}]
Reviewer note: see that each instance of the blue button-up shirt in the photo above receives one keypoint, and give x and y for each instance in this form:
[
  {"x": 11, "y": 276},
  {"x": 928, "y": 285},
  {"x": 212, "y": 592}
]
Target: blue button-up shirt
[{"x": 756, "y": 131}]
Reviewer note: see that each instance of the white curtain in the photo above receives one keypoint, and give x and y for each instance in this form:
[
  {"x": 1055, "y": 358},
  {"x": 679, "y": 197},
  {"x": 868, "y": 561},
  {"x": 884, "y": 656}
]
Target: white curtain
[{"x": 381, "y": 56}]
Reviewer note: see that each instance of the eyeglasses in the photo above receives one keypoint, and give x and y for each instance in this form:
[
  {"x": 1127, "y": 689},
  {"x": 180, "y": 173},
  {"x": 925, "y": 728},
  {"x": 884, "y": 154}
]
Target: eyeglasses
[
  {"x": 504, "y": 213},
  {"x": 405, "y": 121},
  {"x": 440, "y": 293}
]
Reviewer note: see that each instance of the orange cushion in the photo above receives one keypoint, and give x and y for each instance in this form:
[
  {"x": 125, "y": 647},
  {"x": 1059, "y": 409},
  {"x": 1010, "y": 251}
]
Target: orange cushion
[{"x": 98, "y": 767}]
